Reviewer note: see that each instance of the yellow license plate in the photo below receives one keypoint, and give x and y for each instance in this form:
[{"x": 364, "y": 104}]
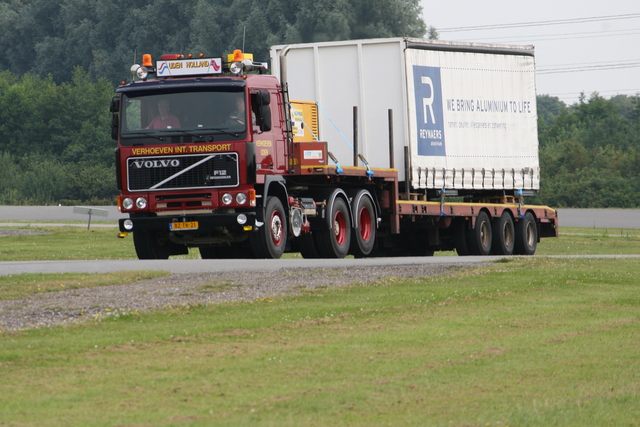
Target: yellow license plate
[{"x": 191, "y": 225}]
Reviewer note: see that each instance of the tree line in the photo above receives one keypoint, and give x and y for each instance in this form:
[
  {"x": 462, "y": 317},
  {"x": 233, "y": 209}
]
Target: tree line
[
  {"x": 56, "y": 148},
  {"x": 590, "y": 152},
  {"x": 45, "y": 37},
  {"x": 62, "y": 60}
]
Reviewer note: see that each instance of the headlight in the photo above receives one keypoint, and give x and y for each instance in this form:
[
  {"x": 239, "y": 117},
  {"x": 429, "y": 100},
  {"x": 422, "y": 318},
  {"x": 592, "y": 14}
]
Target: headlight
[
  {"x": 242, "y": 219},
  {"x": 141, "y": 203},
  {"x": 142, "y": 72},
  {"x": 128, "y": 224},
  {"x": 241, "y": 198},
  {"x": 127, "y": 203},
  {"x": 236, "y": 68},
  {"x": 227, "y": 199}
]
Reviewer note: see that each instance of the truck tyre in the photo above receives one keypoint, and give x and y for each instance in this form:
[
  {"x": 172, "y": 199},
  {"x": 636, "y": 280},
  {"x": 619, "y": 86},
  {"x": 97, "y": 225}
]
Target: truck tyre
[
  {"x": 335, "y": 241},
  {"x": 461, "y": 236},
  {"x": 271, "y": 239},
  {"x": 151, "y": 245},
  {"x": 364, "y": 234},
  {"x": 526, "y": 235},
  {"x": 307, "y": 246},
  {"x": 503, "y": 235},
  {"x": 480, "y": 235}
]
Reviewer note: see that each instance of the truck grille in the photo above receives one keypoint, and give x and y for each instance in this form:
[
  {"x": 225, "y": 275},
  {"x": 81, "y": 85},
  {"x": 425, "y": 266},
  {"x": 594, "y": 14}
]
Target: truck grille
[{"x": 182, "y": 172}]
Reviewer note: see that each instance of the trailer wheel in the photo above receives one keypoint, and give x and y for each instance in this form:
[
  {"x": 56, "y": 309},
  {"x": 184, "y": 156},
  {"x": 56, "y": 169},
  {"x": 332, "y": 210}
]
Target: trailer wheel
[
  {"x": 461, "y": 236},
  {"x": 526, "y": 235},
  {"x": 480, "y": 235},
  {"x": 151, "y": 245},
  {"x": 364, "y": 234},
  {"x": 271, "y": 239},
  {"x": 503, "y": 235},
  {"x": 335, "y": 242}
]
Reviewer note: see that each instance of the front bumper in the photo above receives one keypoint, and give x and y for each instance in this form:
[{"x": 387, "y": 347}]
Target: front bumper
[{"x": 205, "y": 222}]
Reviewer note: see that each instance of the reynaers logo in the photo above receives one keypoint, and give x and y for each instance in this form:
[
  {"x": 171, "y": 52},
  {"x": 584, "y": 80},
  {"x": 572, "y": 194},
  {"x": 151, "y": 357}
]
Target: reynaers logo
[{"x": 429, "y": 115}]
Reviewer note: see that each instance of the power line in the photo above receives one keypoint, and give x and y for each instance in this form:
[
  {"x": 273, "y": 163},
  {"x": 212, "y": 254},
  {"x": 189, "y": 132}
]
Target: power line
[
  {"x": 617, "y": 91},
  {"x": 628, "y": 61},
  {"x": 562, "y": 36},
  {"x": 606, "y": 66},
  {"x": 541, "y": 23}
]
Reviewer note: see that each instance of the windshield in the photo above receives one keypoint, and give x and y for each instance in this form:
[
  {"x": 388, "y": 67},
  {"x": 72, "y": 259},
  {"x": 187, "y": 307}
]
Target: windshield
[{"x": 204, "y": 115}]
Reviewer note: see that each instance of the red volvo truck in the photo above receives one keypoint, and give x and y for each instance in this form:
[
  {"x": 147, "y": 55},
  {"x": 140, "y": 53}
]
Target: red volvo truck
[{"x": 401, "y": 147}]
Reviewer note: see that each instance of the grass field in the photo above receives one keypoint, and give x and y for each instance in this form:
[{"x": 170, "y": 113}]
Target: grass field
[
  {"x": 78, "y": 243},
  {"x": 527, "y": 342}
]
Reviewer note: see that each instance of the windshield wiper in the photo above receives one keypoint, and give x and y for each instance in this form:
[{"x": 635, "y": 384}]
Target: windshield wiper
[
  {"x": 221, "y": 130},
  {"x": 144, "y": 134}
]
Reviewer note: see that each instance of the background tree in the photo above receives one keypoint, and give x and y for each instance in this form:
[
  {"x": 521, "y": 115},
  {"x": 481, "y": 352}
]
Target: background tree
[{"x": 62, "y": 60}]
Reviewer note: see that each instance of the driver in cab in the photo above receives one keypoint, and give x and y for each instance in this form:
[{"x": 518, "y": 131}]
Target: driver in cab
[{"x": 164, "y": 120}]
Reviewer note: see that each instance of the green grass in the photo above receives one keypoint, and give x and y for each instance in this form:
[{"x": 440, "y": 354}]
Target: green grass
[
  {"x": 529, "y": 342},
  {"x": 78, "y": 243},
  {"x": 66, "y": 243}
]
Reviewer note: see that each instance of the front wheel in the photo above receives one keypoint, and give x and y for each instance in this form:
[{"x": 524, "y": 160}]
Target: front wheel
[
  {"x": 271, "y": 239},
  {"x": 151, "y": 245},
  {"x": 335, "y": 242}
]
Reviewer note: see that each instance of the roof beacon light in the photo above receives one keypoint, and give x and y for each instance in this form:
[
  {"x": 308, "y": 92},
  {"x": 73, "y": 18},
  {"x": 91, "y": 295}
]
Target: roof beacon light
[
  {"x": 238, "y": 56},
  {"x": 146, "y": 60}
]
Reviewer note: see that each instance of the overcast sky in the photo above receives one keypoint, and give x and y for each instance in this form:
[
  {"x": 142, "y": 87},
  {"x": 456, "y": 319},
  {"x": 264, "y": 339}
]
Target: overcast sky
[{"x": 594, "y": 48}]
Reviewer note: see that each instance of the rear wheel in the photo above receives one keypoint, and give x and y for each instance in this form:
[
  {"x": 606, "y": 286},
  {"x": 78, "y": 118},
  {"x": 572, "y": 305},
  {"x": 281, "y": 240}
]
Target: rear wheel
[
  {"x": 335, "y": 242},
  {"x": 364, "y": 233},
  {"x": 151, "y": 244},
  {"x": 526, "y": 235},
  {"x": 271, "y": 239},
  {"x": 480, "y": 235},
  {"x": 307, "y": 246},
  {"x": 503, "y": 235}
]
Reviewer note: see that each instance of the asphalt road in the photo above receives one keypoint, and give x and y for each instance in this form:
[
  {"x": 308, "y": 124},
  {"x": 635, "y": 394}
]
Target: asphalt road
[{"x": 599, "y": 218}]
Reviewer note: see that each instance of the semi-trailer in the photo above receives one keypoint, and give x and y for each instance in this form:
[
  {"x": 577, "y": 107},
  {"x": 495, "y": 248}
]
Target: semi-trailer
[{"x": 378, "y": 147}]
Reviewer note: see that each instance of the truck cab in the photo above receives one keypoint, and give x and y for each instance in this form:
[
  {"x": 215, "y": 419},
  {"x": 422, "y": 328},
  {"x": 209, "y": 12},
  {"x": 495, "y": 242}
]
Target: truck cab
[{"x": 199, "y": 140}]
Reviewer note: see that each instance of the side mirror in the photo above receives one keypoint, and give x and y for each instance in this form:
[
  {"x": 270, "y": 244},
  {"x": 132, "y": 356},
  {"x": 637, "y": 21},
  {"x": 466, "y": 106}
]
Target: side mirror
[
  {"x": 115, "y": 105},
  {"x": 264, "y": 118},
  {"x": 264, "y": 97},
  {"x": 114, "y": 127}
]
